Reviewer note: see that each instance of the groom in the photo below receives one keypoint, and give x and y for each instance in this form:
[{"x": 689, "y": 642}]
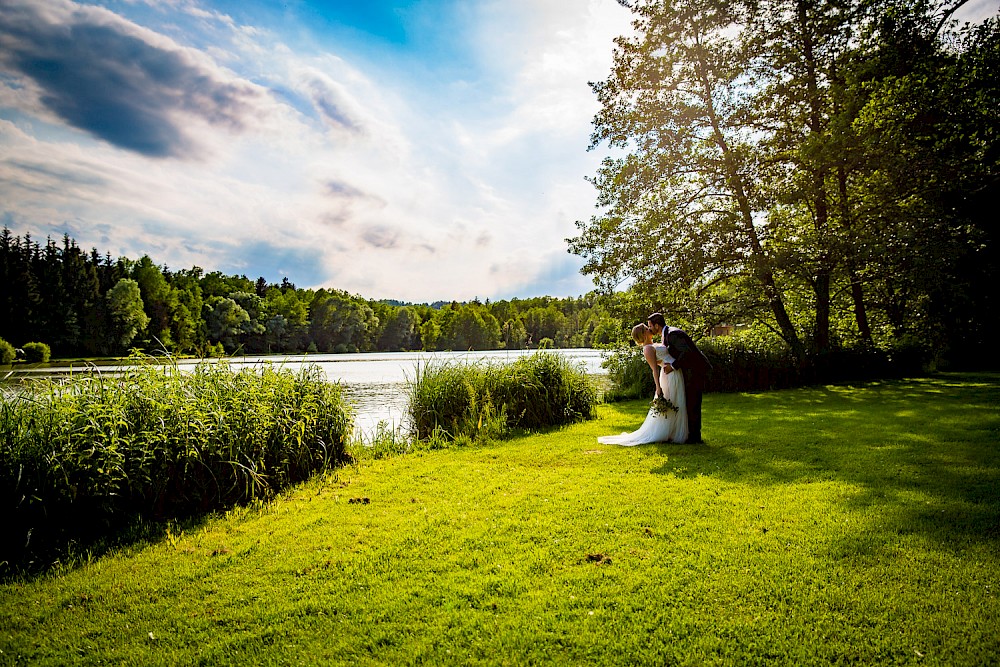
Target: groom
[{"x": 689, "y": 358}]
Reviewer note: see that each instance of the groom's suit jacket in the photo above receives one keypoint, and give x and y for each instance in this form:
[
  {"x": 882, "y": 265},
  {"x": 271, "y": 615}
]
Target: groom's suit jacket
[{"x": 685, "y": 353}]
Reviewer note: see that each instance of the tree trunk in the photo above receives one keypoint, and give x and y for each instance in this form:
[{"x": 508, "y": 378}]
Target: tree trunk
[
  {"x": 761, "y": 266},
  {"x": 857, "y": 289},
  {"x": 860, "y": 313},
  {"x": 821, "y": 219}
]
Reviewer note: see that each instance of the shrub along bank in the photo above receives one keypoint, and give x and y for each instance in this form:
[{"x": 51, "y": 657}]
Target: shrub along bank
[
  {"x": 465, "y": 402},
  {"x": 756, "y": 363},
  {"x": 82, "y": 457}
]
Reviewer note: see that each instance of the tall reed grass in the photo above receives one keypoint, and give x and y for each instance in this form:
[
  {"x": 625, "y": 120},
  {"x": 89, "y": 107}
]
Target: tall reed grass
[
  {"x": 467, "y": 402},
  {"x": 86, "y": 454}
]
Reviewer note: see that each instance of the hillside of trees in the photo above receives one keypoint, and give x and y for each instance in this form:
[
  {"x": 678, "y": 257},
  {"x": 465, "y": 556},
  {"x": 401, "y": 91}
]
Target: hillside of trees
[{"x": 87, "y": 304}]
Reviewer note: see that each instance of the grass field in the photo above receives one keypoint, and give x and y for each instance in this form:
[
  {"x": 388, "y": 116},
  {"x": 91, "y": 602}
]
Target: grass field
[{"x": 826, "y": 525}]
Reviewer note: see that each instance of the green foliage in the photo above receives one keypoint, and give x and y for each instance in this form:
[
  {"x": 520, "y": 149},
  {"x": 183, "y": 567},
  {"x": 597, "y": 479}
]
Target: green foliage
[
  {"x": 341, "y": 323},
  {"x": 451, "y": 399},
  {"x": 384, "y": 442},
  {"x": 7, "y": 353},
  {"x": 485, "y": 401},
  {"x": 629, "y": 375},
  {"x": 126, "y": 312},
  {"x": 400, "y": 330},
  {"x": 746, "y": 361},
  {"x": 543, "y": 390},
  {"x": 752, "y": 362},
  {"x": 430, "y": 334},
  {"x": 36, "y": 352},
  {"x": 80, "y": 304},
  {"x": 759, "y": 361},
  {"x": 225, "y": 320},
  {"x": 97, "y": 450}
]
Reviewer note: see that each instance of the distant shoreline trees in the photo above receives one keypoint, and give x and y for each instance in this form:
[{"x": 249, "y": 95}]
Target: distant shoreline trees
[{"x": 88, "y": 304}]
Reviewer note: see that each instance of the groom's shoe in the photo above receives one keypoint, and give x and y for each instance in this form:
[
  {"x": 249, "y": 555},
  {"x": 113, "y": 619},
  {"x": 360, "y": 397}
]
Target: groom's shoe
[{"x": 695, "y": 440}]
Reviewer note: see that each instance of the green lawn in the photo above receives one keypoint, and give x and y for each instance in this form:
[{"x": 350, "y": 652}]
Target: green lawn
[{"x": 822, "y": 525}]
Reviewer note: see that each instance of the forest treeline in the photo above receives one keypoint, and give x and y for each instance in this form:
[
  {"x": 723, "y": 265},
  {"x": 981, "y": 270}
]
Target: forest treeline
[{"x": 86, "y": 303}]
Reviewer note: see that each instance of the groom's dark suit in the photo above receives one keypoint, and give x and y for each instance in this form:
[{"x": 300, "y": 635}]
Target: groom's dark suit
[{"x": 695, "y": 365}]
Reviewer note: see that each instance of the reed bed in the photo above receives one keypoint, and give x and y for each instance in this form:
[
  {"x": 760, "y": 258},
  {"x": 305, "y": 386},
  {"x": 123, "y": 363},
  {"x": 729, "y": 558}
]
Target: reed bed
[
  {"x": 468, "y": 402},
  {"x": 84, "y": 456}
]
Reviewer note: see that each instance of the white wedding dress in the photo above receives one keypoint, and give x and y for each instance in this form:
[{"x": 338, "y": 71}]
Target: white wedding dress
[{"x": 672, "y": 427}]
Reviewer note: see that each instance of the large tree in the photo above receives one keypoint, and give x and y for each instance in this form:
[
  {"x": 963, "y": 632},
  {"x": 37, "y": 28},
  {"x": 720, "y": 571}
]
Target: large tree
[
  {"x": 341, "y": 322},
  {"x": 684, "y": 207},
  {"x": 765, "y": 163},
  {"x": 929, "y": 123}
]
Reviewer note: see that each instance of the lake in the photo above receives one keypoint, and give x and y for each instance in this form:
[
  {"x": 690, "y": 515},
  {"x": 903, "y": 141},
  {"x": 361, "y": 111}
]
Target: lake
[{"x": 374, "y": 381}]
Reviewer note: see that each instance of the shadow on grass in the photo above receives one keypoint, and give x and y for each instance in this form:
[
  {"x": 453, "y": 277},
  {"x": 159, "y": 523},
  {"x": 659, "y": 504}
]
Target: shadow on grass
[
  {"x": 63, "y": 554},
  {"x": 923, "y": 453}
]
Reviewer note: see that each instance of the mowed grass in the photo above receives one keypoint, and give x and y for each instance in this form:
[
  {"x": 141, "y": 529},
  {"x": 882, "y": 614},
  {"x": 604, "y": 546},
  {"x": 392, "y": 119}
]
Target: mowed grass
[{"x": 826, "y": 525}]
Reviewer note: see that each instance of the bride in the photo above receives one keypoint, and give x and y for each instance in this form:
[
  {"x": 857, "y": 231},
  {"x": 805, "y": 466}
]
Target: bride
[{"x": 658, "y": 427}]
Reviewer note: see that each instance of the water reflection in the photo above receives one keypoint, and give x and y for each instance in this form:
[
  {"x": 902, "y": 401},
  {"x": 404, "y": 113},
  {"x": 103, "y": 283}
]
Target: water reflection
[{"x": 378, "y": 402}]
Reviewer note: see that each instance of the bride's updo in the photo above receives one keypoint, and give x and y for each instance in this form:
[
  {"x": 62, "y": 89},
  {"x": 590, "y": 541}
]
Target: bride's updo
[{"x": 639, "y": 333}]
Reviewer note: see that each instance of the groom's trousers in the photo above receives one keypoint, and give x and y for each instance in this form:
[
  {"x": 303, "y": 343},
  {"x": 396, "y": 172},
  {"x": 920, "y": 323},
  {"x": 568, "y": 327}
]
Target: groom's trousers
[{"x": 694, "y": 387}]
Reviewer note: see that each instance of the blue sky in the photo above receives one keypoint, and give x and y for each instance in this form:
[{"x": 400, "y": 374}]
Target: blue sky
[{"x": 416, "y": 150}]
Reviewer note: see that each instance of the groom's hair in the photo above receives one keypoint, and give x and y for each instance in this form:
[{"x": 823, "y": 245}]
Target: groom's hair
[{"x": 657, "y": 318}]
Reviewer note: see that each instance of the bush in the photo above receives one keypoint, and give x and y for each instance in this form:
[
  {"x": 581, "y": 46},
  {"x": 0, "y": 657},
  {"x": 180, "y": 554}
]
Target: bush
[
  {"x": 7, "y": 353},
  {"x": 469, "y": 402},
  {"x": 628, "y": 373},
  {"x": 751, "y": 362},
  {"x": 82, "y": 457},
  {"x": 37, "y": 353}
]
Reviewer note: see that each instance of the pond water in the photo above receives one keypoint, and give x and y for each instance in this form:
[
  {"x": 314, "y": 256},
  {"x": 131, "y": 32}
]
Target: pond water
[{"x": 374, "y": 382}]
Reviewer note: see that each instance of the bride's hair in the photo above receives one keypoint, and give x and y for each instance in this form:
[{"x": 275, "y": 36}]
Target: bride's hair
[{"x": 639, "y": 333}]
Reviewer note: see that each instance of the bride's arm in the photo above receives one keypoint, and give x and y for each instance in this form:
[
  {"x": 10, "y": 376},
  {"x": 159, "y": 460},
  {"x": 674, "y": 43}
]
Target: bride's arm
[{"x": 649, "y": 353}]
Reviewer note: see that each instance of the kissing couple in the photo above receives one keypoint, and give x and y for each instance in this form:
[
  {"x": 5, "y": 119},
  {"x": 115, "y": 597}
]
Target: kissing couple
[{"x": 679, "y": 371}]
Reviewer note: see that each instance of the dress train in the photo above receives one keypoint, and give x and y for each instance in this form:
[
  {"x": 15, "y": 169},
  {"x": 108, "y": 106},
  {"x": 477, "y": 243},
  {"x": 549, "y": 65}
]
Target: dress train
[{"x": 672, "y": 427}]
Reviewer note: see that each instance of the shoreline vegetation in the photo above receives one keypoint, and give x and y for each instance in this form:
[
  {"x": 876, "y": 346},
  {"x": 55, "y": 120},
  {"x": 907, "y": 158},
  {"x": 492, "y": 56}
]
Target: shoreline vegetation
[
  {"x": 797, "y": 535},
  {"x": 88, "y": 457}
]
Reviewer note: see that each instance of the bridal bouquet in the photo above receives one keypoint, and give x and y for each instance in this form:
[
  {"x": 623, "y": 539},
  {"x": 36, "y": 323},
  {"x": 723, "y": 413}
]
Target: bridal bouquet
[{"x": 662, "y": 406}]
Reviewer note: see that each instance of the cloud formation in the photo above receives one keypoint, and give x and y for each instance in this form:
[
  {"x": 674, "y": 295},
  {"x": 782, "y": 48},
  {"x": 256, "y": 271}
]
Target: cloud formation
[{"x": 128, "y": 86}]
